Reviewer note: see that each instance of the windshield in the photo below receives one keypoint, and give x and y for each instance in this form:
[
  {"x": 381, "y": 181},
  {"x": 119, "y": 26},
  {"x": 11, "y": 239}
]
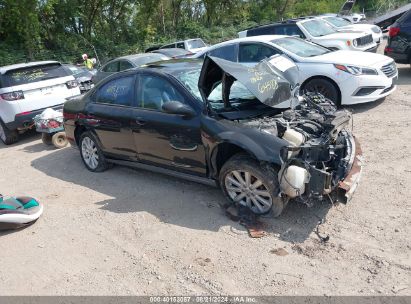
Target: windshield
[
  {"x": 318, "y": 28},
  {"x": 239, "y": 93},
  {"x": 300, "y": 47},
  {"x": 337, "y": 22},
  {"x": 34, "y": 74},
  {"x": 195, "y": 44}
]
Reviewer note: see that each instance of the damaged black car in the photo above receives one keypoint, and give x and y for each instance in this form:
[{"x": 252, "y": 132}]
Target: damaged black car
[{"x": 219, "y": 123}]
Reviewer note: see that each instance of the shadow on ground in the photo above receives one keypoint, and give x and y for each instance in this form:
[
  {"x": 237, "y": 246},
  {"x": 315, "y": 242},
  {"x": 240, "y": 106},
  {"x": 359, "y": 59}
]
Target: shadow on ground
[
  {"x": 171, "y": 200},
  {"x": 26, "y": 137}
]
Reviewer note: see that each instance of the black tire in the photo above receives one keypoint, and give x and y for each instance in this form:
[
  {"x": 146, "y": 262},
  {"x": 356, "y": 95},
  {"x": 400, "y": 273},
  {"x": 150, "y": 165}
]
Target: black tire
[
  {"x": 46, "y": 139},
  {"x": 102, "y": 164},
  {"x": 8, "y": 136},
  {"x": 59, "y": 140},
  {"x": 266, "y": 174},
  {"x": 324, "y": 87}
]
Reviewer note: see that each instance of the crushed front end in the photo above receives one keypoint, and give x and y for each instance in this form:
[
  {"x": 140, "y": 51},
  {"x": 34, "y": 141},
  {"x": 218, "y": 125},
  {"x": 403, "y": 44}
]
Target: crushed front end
[{"x": 323, "y": 159}]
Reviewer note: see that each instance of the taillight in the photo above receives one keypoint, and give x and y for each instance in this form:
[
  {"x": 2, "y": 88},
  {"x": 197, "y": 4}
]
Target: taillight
[
  {"x": 388, "y": 50},
  {"x": 393, "y": 31},
  {"x": 16, "y": 95},
  {"x": 72, "y": 84}
]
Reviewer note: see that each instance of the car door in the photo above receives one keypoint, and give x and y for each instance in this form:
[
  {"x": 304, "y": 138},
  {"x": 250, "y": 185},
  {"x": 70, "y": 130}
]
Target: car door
[
  {"x": 164, "y": 139},
  {"x": 109, "y": 115},
  {"x": 250, "y": 53}
]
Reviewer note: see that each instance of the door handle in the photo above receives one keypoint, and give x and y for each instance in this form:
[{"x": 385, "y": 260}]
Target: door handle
[{"x": 140, "y": 121}]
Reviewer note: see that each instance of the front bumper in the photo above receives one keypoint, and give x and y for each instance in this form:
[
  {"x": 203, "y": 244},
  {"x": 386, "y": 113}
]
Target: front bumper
[{"x": 348, "y": 185}]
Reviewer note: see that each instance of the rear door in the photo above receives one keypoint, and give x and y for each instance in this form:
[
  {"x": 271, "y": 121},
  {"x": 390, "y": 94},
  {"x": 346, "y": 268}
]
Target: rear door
[
  {"x": 43, "y": 86},
  {"x": 110, "y": 115},
  {"x": 165, "y": 139}
]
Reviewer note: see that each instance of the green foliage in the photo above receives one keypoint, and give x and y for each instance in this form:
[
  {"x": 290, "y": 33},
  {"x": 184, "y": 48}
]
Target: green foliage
[{"x": 65, "y": 29}]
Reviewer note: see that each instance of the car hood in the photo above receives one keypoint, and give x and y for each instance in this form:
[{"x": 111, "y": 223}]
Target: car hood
[
  {"x": 343, "y": 35},
  {"x": 350, "y": 58},
  {"x": 265, "y": 81},
  {"x": 357, "y": 27}
]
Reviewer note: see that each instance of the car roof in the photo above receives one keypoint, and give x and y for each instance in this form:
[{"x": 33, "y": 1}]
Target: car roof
[
  {"x": 175, "y": 66},
  {"x": 5, "y": 69},
  {"x": 135, "y": 56},
  {"x": 284, "y": 22}
]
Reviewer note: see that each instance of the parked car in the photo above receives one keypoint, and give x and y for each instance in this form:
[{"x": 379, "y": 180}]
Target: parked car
[
  {"x": 27, "y": 89},
  {"x": 82, "y": 75},
  {"x": 344, "y": 25},
  {"x": 191, "y": 45},
  {"x": 346, "y": 12},
  {"x": 173, "y": 53},
  {"x": 125, "y": 63},
  {"x": 318, "y": 31},
  {"x": 345, "y": 77},
  {"x": 214, "y": 123},
  {"x": 399, "y": 39}
]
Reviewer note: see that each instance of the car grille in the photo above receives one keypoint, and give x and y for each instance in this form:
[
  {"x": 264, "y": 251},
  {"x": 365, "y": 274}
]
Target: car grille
[
  {"x": 389, "y": 69},
  {"x": 364, "y": 40}
]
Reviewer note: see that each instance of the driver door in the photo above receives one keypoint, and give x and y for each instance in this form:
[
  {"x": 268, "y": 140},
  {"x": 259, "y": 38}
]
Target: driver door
[{"x": 164, "y": 139}]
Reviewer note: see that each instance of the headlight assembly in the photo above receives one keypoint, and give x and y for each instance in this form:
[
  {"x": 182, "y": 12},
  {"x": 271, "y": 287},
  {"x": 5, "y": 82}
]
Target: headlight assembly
[{"x": 356, "y": 70}]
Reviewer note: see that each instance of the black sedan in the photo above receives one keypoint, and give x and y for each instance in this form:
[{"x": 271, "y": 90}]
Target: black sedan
[{"x": 216, "y": 123}]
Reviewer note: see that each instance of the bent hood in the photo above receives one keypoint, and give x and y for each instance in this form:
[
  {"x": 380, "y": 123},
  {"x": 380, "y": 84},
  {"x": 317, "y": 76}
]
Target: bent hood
[{"x": 270, "y": 81}]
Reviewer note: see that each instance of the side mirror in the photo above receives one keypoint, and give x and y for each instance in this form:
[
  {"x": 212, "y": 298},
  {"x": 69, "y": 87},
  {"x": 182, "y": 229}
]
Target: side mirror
[{"x": 178, "y": 108}]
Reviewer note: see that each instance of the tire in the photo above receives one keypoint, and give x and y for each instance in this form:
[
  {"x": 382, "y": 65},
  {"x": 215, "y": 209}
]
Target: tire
[
  {"x": 46, "y": 139},
  {"x": 324, "y": 87},
  {"x": 239, "y": 189},
  {"x": 8, "y": 136},
  {"x": 59, "y": 140},
  {"x": 91, "y": 153}
]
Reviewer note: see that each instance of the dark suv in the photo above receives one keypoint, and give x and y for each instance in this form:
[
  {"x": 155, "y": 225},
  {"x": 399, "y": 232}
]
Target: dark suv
[
  {"x": 215, "y": 123},
  {"x": 399, "y": 39}
]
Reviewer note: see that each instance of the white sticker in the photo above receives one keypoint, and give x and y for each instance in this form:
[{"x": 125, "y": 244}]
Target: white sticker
[{"x": 282, "y": 63}]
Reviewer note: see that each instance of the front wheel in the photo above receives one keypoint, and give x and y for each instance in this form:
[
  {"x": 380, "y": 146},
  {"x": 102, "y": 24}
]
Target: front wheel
[
  {"x": 91, "y": 153},
  {"x": 323, "y": 87},
  {"x": 245, "y": 182}
]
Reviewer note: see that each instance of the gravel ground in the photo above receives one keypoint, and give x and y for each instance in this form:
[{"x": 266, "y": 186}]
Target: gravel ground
[{"x": 129, "y": 232}]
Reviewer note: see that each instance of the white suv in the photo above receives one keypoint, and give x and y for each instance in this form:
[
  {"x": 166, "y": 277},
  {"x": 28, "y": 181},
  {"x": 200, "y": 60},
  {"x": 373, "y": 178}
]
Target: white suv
[
  {"x": 26, "y": 90},
  {"x": 317, "y": 31}
]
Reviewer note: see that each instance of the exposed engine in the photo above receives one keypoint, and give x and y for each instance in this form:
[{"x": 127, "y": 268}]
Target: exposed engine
[{"x": 317, "y": 156}]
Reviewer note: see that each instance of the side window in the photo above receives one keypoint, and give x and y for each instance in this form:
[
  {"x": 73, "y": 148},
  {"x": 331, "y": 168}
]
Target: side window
[
  {"x": 225, "y": 52},
  {"x": 111, "y": 67},
  {"x": 264, "y": 30},
  {"x": 293, "y": 30},
  {"x": 255, "y": 52},
  {"x": 180, "y": 45},
  {"x": 125, "y": 65},
  {"x": 155, "y": 91},
  {"x": 117, "y": 92}
]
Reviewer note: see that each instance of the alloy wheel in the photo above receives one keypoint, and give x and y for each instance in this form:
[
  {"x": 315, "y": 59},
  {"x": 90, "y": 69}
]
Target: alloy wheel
[
  {"x": 248, "y": 190},
  {"x": 89, "y": 153}
]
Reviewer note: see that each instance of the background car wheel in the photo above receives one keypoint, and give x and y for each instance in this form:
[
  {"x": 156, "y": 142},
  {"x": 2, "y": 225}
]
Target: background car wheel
[
  {"x": 244, "y": 181},
  {"x": 324, "y": 87},
  {"x": 59, "y": 140},
  {"x": 7, "y": 136},
  {"x": 46, "y": 139},
  {"x": 91, "y": 153}
]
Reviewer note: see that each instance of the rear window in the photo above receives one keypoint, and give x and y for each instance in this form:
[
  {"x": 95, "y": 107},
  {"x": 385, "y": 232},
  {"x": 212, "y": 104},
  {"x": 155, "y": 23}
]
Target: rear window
[{"x": 33, "y": 74}]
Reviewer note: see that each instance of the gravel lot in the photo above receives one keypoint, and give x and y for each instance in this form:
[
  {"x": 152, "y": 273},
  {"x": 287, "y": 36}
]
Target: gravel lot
[{"x": 129, "y": 232}]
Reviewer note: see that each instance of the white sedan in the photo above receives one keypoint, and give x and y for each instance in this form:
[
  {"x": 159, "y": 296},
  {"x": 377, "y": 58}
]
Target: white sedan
[
  {"x": 346, "y": 77},
  {"x": 344, "y": 25}
]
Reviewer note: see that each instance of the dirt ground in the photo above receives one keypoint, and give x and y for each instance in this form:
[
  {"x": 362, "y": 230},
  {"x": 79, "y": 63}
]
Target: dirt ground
[{"x": 129, "y": 232}]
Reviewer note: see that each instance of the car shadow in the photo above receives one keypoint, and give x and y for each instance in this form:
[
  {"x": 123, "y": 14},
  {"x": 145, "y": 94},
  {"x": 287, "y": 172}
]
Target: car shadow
[
  {"x": 363, "y": 107},
  {"x": 26, "y": 137},
  {"x": 169, "y": 199}
]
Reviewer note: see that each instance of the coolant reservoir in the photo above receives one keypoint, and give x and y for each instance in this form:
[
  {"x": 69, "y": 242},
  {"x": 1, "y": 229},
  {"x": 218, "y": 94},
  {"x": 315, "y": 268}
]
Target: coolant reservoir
[
  {"x": 295, "y": 138},
  {"x": 293, "y": 181}
]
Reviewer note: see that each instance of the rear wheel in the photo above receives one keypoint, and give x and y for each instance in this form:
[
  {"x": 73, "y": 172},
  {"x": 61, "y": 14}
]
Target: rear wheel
[
  {"x": 324, "y": 87},
  {"x": 59, "y": 140},
  {"x": 245, "y": 182},
  {"x": 46, "y": 138},
  {"x": 91, "y": 153},
  {"x": 7, "y": 136}
]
